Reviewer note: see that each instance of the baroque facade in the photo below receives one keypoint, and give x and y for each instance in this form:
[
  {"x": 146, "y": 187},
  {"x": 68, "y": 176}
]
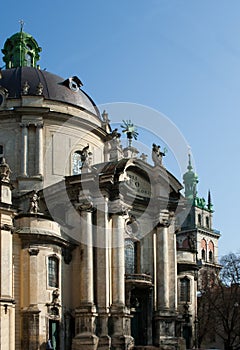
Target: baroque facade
[{"x": 99, "y": 249}]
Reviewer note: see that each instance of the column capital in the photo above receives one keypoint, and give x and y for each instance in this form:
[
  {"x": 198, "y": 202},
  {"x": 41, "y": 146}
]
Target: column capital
[
  {"x": 165, "y": 218},
  {"x": 39, "y": 125},
  {"x": 119, "y": 207},
  {"x": 24, "y": 125},
  {"x": 85, "y": 202},
  {"x": 33, "y": 251}
]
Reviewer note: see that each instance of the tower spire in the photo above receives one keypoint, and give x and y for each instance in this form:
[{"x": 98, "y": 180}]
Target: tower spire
[
  {"x": 190, "y": 180},
  {"x": 189, "y": 162},
  {"x": 209, "y": 204}
]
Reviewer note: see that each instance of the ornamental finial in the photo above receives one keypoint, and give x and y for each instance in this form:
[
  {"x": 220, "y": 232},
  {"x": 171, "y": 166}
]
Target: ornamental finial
[
  {"x": 21, "y": 24},
  {"x": 130, "y": 130},
  {"x": 189, "y": 159}
]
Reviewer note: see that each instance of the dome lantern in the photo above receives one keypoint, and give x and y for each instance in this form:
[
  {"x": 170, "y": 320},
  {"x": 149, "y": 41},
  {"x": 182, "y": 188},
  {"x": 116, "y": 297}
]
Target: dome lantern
[{"x": 21, "y": 50}]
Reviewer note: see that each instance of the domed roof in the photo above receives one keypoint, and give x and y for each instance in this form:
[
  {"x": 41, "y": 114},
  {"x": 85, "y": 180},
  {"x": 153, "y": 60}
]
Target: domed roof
[
  {"x": 22, "y": 75},
  {"x": 53, "y": 86}
]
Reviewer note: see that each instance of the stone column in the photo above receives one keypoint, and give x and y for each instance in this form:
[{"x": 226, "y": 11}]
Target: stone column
[
  {"x": 165, "y": 315},
  {"x": 24, "y": 150},
  {"x": 162, "y": 268},
  {"x": 39, "y": 149},
  {"x": 85, "y": 314},
  {"x": 120, "y": 314},
  {"x": 102, "y": 242}
]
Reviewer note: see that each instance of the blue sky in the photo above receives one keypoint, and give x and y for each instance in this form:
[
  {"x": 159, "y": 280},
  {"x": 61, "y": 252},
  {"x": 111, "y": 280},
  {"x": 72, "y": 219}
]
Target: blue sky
[{"x": 179, "y": 57}]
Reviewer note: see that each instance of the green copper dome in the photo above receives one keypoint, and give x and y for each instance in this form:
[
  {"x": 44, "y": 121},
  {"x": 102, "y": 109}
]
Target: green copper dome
[
  {"x": 21, "y": 50},
  {"x": 190, "y": 180}
]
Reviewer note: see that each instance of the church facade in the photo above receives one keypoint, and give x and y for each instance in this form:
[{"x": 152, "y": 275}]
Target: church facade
[{"x": 99, "y": 249}]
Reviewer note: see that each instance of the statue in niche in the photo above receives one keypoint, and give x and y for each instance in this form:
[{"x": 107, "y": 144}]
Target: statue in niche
[
  {"x": 34, "y": 200},
  {"x": 157, "y": 154}
]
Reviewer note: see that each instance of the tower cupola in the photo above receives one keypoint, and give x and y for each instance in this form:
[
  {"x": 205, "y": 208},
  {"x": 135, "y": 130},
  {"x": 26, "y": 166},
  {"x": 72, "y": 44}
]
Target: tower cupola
[
  {"x": 190, "y": 180},
  {"x": 21, "y": 50}
]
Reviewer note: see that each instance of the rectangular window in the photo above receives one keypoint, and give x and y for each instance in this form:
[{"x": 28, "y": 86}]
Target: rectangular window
[
  {"x": 185, "y": 290},
  {"x": 53, "y": 272}
]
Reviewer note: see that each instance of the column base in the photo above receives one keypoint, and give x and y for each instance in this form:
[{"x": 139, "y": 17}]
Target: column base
[
  {"x": 104, "y": 342},
  {"x": 85, "y": 338},
  {"x": 172, "y": 343},
  {"x": 164, "y": 324},
  {"x": 85, "y": 341},
  {"x": 30, "y": 327},
  {"x": 122, "y": 342},
  {"x": 121, "y": 328}
]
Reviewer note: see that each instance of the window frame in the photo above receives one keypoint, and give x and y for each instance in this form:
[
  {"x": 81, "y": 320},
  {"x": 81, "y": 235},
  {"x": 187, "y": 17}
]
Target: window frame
[{"x": 53, "y": 271}]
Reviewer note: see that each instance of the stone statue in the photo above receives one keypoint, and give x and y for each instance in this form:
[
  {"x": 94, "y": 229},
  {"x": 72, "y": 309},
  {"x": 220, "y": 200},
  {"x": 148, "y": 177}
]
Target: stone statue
[
  {"x": 25, "y": 88},
  {"x": 157, "y": 155},
  {"x": 114, "y": 138},
  {"x": 4, "y": 171},
  {"x": 85, "y": 156},
  {"x": 34, "y": 207},
  {"x": 39, "y": 89},
  {"x": 105, "y": 117}
]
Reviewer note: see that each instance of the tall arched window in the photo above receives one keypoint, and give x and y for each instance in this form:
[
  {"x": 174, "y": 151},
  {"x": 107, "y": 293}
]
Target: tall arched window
[
  {"x": 28, "y": 58},
  {"x": 210, "y": 251},
  {"x": 204, "y": 249},
  {"x": 76, "y": 163},
  {"x": 53, "y": 272},
  {"x": 185, "y": 289}
]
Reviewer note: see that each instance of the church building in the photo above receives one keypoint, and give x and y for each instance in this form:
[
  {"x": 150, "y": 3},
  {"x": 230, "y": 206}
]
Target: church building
[{"x": 99, "y": 249}]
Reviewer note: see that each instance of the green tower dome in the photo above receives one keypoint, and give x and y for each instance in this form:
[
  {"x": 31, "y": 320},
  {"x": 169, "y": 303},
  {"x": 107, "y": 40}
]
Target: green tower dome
[
  {"x": 190, "y": 180},
  {"x": 21, "y": 50}
]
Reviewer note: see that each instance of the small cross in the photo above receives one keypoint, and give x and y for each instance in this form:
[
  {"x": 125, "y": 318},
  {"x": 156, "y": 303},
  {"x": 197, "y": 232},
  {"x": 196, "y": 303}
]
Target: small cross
[{"x": 21, "y": 24}]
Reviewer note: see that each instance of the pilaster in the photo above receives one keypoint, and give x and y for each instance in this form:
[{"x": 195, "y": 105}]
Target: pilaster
[
  {"x": 39, "y": 149},
  {"x": 7, "y": 302},
  {"x": 24, "y": 150}
]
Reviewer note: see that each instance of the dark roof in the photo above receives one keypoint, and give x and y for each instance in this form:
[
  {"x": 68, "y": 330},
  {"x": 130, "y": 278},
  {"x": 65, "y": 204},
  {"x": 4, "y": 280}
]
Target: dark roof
[{"x": 53, "y": 88}]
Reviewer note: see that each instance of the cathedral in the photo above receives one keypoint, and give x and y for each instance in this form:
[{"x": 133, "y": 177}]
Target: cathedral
[{"x": 99, "y": 249}]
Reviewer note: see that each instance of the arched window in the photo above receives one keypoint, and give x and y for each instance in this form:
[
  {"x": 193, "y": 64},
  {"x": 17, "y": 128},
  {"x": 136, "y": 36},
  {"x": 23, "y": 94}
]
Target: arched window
[
  {"x": 185, "y": 289},
  {"x": 28, "y": 58},
  {"x": 211, "y": 251},
  {"x": 53, "y": 272},
  {"x": 76, "y": 163},
  {"x": 203, "y": 254},
  {"x": 210, "y": 255},
  {"x": 204, "y": 249},
  {"x": 129, "y": 256}
]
